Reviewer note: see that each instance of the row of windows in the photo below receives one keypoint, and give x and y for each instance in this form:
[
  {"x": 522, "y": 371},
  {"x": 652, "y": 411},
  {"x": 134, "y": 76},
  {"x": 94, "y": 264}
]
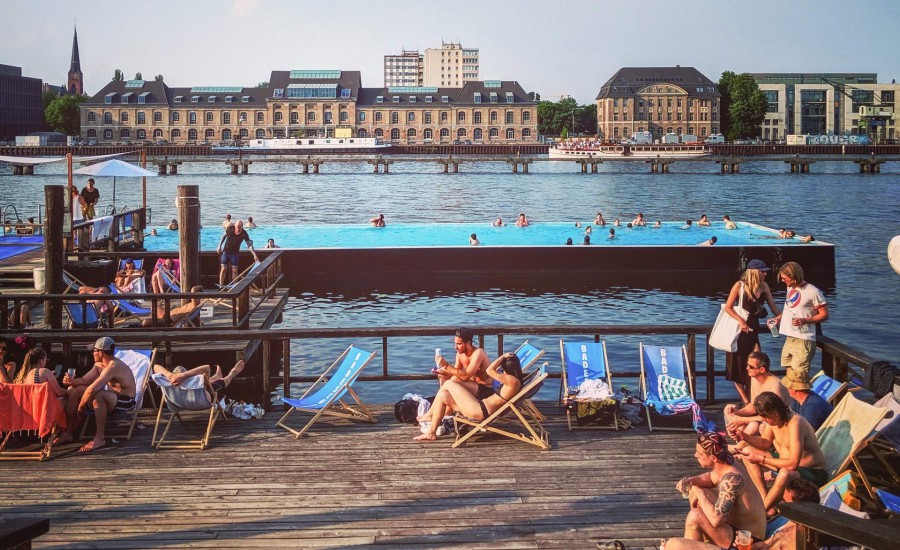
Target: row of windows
[
  {"x": 659, "y": 116},
  {"x": 659, "y": 130},
  {"x": 226, "y": 134}
]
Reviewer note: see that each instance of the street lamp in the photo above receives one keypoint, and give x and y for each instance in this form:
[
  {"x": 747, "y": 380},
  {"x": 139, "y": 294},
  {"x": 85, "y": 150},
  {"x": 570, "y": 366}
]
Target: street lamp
[{"x": 573, "y": 119}]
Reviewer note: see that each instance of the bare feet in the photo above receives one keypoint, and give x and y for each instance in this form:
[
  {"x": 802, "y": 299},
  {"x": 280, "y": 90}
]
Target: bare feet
[
  {"x": 92, "y": 445},
  {"x": 426, "y": 437},
  {"x": 238, "y": 367},
  {"x": 63, "y": 438}
]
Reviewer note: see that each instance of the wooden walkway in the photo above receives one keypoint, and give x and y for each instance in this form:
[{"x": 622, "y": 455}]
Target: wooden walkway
[{"x": 358, "y": 485}]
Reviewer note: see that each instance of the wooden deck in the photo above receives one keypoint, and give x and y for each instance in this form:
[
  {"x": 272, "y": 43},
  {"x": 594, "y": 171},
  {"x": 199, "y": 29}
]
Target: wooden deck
[{"x": 358, "y": 485}]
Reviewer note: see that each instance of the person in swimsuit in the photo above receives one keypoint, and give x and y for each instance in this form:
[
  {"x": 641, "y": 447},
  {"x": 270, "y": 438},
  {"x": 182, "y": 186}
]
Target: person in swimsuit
[
  {"x": 377, "y": 221},
  {"x": 108, "y": 387},
  {"x": 35, "y": 371},
  {"x": 703, "y": 221},
  {"x": 216, "y": 380},
  {"x": 598, "y": 220},
  {"x": 453, "y": 396},
  {"x": 522, "y": 221},
  {"x": 469, "y": 369},
  {"x": 129, "y": 274}
]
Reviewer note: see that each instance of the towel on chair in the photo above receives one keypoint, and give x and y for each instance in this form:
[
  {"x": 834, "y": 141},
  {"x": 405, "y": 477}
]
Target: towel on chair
[
  {"x": 25, "y": 407},
  {"x": 102, "y": 227}
]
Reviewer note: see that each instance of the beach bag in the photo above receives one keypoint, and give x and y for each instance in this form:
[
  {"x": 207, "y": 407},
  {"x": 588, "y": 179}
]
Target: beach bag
[
  {"x": 726, "y": 330},
  {"x": 406, "y": 411}
]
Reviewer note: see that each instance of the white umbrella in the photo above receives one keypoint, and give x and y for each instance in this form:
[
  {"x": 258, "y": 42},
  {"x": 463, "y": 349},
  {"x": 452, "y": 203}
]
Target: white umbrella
[{"x": 115, "y": 168}]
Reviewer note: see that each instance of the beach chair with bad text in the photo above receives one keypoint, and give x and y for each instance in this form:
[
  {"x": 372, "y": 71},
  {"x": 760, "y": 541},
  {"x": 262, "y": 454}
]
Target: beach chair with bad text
[{"x": 586, "y": 389}]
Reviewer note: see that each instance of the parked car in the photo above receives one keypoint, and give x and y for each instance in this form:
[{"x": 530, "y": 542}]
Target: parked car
[
  {"x": 162, "y": 142},
  {"x": 457, "y": 142},
  {"x": 92, "y": 142},
  {"x": 468, "y": 142}
]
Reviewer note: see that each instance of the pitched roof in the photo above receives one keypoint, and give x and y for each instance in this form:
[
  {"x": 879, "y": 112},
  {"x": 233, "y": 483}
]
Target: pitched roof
[
  {"x": 456, "y": 96},
  {"x": 628, "y": 81},
  {"x": 75, "y": 66}
]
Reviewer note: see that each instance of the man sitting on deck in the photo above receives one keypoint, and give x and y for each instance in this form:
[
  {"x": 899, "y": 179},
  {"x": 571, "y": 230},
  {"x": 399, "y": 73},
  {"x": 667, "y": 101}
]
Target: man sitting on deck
[
  {"x": 176, "y": 314},
  {"x": 797, "y": 453},
  {"x": 722, "y": 500},
  {"x": 761, "y": 380},
  {"x": 106, "y": 388},
  {"x": 470, "y": 368}
]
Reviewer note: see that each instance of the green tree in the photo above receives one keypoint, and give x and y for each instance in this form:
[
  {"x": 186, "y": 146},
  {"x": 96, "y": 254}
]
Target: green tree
[
  {"x": 566, "y": 114},
  {"x": 63, "y": 114},
  {"x": 534, "y": 96},
  {"x": 117, "y": 76},
  {"x": 47, "y": 97},
  {"x": 138, "y": 76},
  {"x": 262, "y": 85},
  {"x": 158, "y": 78},
  {"x": 743, "y": 106}
]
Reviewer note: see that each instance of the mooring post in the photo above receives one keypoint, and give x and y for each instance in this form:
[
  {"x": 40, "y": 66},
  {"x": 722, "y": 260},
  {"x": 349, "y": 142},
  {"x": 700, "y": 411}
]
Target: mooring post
[
  {"x": 54, "y": 252},
  {"x": 188, "y": 203}
]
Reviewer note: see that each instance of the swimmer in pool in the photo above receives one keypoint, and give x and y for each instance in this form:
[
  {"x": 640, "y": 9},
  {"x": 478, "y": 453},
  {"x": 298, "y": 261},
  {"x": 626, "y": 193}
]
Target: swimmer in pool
[
  {"x": 473, "y": 240},
  {"x": 728, "y": 223},
  {"x": 704, "y": 221},
  {"x": 712, "y": 240},
  {"x": 612, "y": 233},
  {"x": 599, "y": 220},
  {"x": 639, "y": 221},
  {"x": 522, "y": 221},
  {"x": 657, "y": 225},
  {"x": 687, "y": 224},
  {"x": 498, "y": 222}
]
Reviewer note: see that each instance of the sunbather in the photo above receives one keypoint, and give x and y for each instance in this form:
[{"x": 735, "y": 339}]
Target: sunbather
[
  {"x": 24, "y": 316},
  {"x": 157, "y": 282},
  {"x": 176, "y": 313},
  {"x": 104, "y": 306},
  {"x": 470, "y": 366},
  {"x": 34, "y": 371},
  {"x": 7, "y": 367},
  {"x": 128, "y": 275},
  {"x": 456, "y": 397},
  {"x": 216, "y": 380},
  {"x": 745, "y": 417}
]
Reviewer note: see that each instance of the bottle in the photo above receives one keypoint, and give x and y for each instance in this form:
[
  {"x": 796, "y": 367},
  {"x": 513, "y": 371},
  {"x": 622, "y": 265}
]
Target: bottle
[
  {"x": 773, "y": 326},
  {"x": 437, "y": 359}
]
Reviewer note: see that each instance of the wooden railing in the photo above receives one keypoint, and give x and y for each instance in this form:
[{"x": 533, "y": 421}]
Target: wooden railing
[
  {"x": 127, "y": 227},
  {"x": 812, "y": 518}
]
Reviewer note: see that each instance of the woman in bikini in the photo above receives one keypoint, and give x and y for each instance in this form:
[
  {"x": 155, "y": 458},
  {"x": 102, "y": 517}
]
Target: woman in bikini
[
  {"x": 34, "y": 371},
  {"x": 455, "y": 397}
]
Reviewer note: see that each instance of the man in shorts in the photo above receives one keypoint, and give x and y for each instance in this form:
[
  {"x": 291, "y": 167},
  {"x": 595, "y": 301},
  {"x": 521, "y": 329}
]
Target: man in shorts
[
  {"x": 761, "y": 380},
  {"x": 107, "y": 388},
  {"x": 229, "y": 249},
  {"x": 470, "y": 368},
  {"x": 804, "y": 306}
]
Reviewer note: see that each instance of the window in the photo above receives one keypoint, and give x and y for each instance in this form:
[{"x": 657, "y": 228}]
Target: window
[
  {"x": 92, "y": 117},
  {"x": 226, "y": 135},
  {"x": 344, "y": 116},
  {"x": 493, "y": 117},
  {"x": 211, "y": 99},
  {"x": 445, "y": 99},
  {"x": 362, "y": 133},
  {"x": 345, "y": 93},
  {"x": 192, "y": 134},
  {"x": 428, "y": 134},
  {"x": 157, "y": 134},
  {"x": 493, "y": 97},
  {"x": 412, "y": 99},
  {"x": 143, "y": 97},
  {"x": 461, "y": 133},
  {"x": 226, "y": 118},
  {"x": 327, "y": 117},
  {"x": 141, "y": 134},
  {"x": 310, "y": 117},
  {"x": 395, "y": 99},
  {"x": 176, "y": 133},
  {"x": 209, "y": 133},
  {"x": 195, "y": 99},
  {"x": 157, "y": 117},
  {"x": 395, "y": 134},
  {"x": 427, "y": 117},
  {"x": 395, "y": 117},
  {"x": 461, "y": 117},
  {"x": 444, "y": 117},
  {"x": 494, "y": 133},
  {"x": 178, "y": 99},
  {"x": 107, "y": 134},
  {"x": 526, "y": 133},
  {"x": 510, "y": 98},
  {"x": 278, "y": 117},
  {"x": 526, "y": 117},
  {"x": 445, "y": 133},
  {"x": 411, "y": 134},
  {"x": 245, "y": 133},
  {"x": 107, "y": 118},
  {"x": 124, "y": 133},
  {"x": 509, "y": 117},
  {"x": 260, "y": 117},
  {"x": 123, "y": 117},
  {"x": 229, "y": 99},
  {"x": 477, "y": 134},
  {"x": 192, "y": 117},
  {"x": 379, "y": 133},
  {"x": 410, "y": 117},
  {"x": 245, "y": 99},
  {"x": 260, "y": 133},
  {"x": 295, "y": 118},
  {"x": 378, "y": 116},
  {"x": 176, "y": 117},
  {"x": 108, "y": 100},
  {"x": 477, "y": 97},
  {"x": 476, "y": 118},
  {"x": 379, "y": 99},
  {"x": 429, "y": 99},
  {"x": 510, "y": 133}
]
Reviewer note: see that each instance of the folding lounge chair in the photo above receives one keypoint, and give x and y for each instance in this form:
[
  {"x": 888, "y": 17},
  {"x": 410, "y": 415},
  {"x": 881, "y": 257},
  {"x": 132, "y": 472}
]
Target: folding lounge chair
[
  {"x": 27, "y": 407},
  {"x": 827, "y": 387},
  {"x": 890, "y": 501},
  {"x": 583, "y": 361},
  {"x": 192, "y": 395},
  {"x": 325, "y": 396},
  {"x": 127, "y": 307},
  {"x": 82, "y": 315},
  {"x": 140, "y": 362},
  {"x": 533, "y": 433},
  {"x": 171, "y": 278},
  {"x": 665, "y": 383},
  {"x": 231, "y": 286},
  {"x": 528, "y": 357},
  {"x": 846, "y": 431},
  {"x": 885, "y": 441}
]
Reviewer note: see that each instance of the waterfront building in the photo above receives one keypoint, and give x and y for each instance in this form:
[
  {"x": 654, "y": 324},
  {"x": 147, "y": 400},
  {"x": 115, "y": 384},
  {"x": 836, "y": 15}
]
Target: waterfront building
[
  {"x": 21, "y": 105},
  {"x": 660, "y": 100},
  {"x": 404, "y": 69},
  {"x": 827, "y": 104},
  {"x": 451, "y": 66},
  {"x": 310, "y": 103}
]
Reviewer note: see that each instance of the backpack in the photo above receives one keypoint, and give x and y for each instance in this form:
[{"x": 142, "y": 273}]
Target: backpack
[{"x": 406, "y": 411}]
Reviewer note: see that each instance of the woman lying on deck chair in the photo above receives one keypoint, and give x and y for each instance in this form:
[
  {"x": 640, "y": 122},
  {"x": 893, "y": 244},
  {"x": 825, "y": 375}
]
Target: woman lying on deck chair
[
  {"x": 455, "y": 397},
  {"x": 176, "y": 314}
]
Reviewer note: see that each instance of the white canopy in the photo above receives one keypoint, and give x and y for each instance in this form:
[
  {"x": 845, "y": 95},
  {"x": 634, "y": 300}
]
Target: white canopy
[
  {"x": 115, "y": 168},
  {"x": 48, "y": 160}
]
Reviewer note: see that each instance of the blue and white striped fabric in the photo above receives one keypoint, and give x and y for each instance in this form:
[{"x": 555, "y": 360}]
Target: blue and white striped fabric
[{"x": 347, "y": 372}]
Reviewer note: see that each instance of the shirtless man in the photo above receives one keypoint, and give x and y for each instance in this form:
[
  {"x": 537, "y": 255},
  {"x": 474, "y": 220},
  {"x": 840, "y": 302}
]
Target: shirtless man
[
  {"x": 703, "y": 221},
  {"x": 761, "y": 380},
  {"x": 87, "y": 393},
  {"x": 722, "y": 500},
  {"x": 522, "y": 221},
  {"x": 797, "y": 452},
  {"x": 639, "y": 221},
  {"x": 176, "y": 313},
  {"x": 377, "y": 221},
  {"x": 728, "y": 223},
  {"x": 470, "y": 368}
]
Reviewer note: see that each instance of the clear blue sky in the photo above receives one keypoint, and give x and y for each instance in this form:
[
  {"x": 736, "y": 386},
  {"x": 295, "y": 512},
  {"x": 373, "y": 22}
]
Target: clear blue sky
[{"x": 567, "y": 47}]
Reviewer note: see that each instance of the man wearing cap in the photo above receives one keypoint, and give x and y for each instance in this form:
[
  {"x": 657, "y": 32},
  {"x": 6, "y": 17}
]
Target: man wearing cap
[
  {"x": 108, "y": 387},
  {"x": 804, "y": 306},
  {"x": 808, "y": 404}
]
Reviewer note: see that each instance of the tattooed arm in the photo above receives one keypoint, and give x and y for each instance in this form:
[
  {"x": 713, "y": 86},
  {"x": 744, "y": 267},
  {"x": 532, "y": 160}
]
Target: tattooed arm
[{"x": 729, "y": 490}]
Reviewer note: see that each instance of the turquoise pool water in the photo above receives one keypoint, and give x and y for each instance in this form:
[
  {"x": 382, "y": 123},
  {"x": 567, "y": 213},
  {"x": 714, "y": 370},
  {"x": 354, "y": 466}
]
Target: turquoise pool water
[{"x": 457, "y": 234}]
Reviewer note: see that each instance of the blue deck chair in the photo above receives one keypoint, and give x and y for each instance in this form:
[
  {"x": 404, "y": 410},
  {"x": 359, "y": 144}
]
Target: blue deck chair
[
  {"x": 584, "y": 361},
  {"x": 71, "y": 282},
  {"x": 138, "y": 263},
  {"x": 529, "y": 428},
  {"x": 174, "y": 286},
  {"x": 666, "y": 386},
  {"x": 140, "y": 361},
  {"x": 82, "y": 315},
  {"x": 325, "y": 396},
  {"x": 126, "y": 307},
  {"x": 231, "y": 286},
  {"x": 827, "y": 387},
  {"x": 890, "y": 501}
]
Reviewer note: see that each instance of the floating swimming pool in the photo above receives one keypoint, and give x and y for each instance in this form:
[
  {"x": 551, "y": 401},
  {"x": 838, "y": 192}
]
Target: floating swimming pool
[{"x": 457, "y": 234}]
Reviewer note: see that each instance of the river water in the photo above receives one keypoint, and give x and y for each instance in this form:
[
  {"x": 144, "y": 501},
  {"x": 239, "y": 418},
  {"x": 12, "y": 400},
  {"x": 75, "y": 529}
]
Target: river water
[{"x": 858, "y": 213}]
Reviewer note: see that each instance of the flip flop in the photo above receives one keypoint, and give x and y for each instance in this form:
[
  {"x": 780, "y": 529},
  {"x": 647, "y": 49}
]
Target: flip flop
[
  {"x": 90, "y": 446},
  {"x": 612, "y": 545}
]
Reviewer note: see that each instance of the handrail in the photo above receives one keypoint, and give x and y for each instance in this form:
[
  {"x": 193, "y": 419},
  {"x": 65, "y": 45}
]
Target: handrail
[
  {"x": 813, "y": 517},
  {"x": 119, "y": 232}
]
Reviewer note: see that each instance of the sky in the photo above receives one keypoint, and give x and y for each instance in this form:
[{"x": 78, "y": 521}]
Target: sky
[{"x": 556, "y": 48}]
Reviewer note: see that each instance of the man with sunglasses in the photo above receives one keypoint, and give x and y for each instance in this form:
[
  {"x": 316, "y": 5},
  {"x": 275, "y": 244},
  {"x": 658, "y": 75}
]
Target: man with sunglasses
[
  {"x": 796, "y": 450},
  {"x": 722, "y": 500},
  {"x": 761, "y": 380},
  {"x": 107, "y": 388}
]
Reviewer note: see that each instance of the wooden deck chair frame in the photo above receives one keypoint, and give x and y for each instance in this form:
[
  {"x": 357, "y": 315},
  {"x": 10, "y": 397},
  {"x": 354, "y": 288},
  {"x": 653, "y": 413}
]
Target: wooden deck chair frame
[
  {"x": 533, "y": 433},
  {"x": 528, "y": 404},
  {"x": 128, "y": 419},
  {"x": 225, "y": 302},
  {"x": 879, "y": 446},
  {"x": 342, "y": 409},
  {"x": 177, "y": 411},
  {"x": 72, "y": 283},
  {"x": 840, "y": 423},
  {"x": 564, "y": 387},
  {"x": 38, "y": 451},
  {"x": 125, "y": 308},
  {"x": 827, "y": 387},
  {"x": 687, "y": 376}
]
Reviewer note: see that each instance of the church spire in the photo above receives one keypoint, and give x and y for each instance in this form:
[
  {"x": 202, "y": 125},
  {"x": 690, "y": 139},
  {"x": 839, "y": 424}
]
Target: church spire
[{"x": 75, "y": 82}]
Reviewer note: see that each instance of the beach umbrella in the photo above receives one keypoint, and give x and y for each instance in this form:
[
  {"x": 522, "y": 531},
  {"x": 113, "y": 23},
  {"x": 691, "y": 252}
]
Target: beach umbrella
[{"x": 115, "y": 168}]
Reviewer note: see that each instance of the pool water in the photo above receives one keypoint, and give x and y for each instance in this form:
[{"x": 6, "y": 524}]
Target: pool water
[{"x": 457, "y": 234}]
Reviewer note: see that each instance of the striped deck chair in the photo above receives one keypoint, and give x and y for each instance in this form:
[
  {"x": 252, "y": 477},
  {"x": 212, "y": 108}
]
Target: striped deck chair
[
  {"x": 884, "y": 443},
  {"x": 72, "y": 283},
  {"x": 141, "y": 362},
  {"x": 531, "y": 430},
  {"x": 583, "y": 361},
  {"x": 827, "y": 387},
  {"x": 82, "y": 315},
  {"x": 666, "y": 385},
  {"x": 193, "y": 395},
  {"x": 846, "y": 431},
  {"x": 325, "y": 396}
]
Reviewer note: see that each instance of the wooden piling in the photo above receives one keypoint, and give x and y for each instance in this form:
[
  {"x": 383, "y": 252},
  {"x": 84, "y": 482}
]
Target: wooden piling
[
  {"x": 188, "y": 202},
  {"x": 54, "y": 252}
]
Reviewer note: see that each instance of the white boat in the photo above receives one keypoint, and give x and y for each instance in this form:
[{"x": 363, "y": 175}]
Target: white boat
[
  {"x": 642, "y": 150},
  {"x": 306, "y": 145}
]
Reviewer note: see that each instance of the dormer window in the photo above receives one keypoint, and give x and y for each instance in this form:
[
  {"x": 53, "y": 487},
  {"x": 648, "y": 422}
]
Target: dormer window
[
  {"x": 493, "y": 97},
  {"x": 229, "y": 99},
  {"x": 211, "y": 99},
  {"x": 445, "y": 99},
  {"x": 178, "y": 99},
  {"x": 395, "y": 99},
  {"x": 379, "y": 99},
  {"x": 510, "y": 98},
  {"x": 195, "y": 99},
  {"x": 245, "y": 99},
  {"x": 412, "y": 99},
  {"x": 428, "y": 99},
  {"x": 109, "y": 97},
  {"x": 126, "y": 97},
  {"x": 143, "y": 97},
  {"x": 477, "y": 97}
]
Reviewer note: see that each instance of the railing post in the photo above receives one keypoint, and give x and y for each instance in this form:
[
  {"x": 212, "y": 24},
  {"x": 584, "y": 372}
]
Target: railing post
[
  {"x": 499, "y": 344},
  {"x": 384, "y": 356},
  {"x": 710, "y": 371},
  {"x": 266, "y": 359},
  {"x": 243, "y": 307},
  {"x": 692, "y": 359},
  {"x": 286, "y": 365}
]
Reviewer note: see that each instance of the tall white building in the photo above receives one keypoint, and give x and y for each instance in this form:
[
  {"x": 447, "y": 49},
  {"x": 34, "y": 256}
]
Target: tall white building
[
  {"x": 451, "y": 65},
  {"x": 404, "y": 69}
]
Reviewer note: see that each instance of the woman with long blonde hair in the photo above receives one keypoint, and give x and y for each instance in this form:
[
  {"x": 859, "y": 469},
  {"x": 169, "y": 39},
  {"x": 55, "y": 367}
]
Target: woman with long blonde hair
[
  {"x": 756, "y": 292},
  {"x": 34, "y": 371}
]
